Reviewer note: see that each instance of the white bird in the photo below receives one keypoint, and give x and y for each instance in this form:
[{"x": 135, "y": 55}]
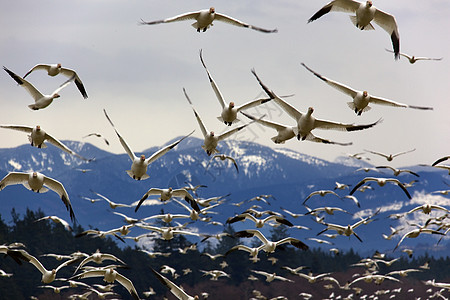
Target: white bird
[
  {"x": 110, "y": 275},
  {"x": 174, "y": 289},
  {"x": 427, "y": 208},
  {"x": 313, "y": 278},
  {"x": 259, "y": 223},
  {"x": 97, "y": 135},
  {"x": 112, "y": 204},
  {"x": 306, "y": 122},
  {"x": 210, "y": 139},
  {"x": 398, "y": 171},
  {"x": 98, "y": 258},
  {"x": 167, "y": 194},
  {"x": 38, "y": 183},
  {"x": 270, "y": 246},
  {"x": 412, "y": 59},
  {"x": 365, "y": 13},
  {"x": 403, "y": 273},
  {"x": 321, "y": 193},
  {"x": 223, "y": 157},
  {"x": 415, "y": 233},
  {"x": 55, "y": 69},
  {"x": 204, "y": 19},
  {"x": 40, "y": 100},
  {"x": 362, "y": 99},
  {"x": 381, "y": 182},
  {"x": 193, "y": 214},
  {"x": 353, "y": 198},
  {"x": 271, "y": 276},
  {"x": 167, "y": 233},
  {"x": 4, "y": 274},
  {"x": 215, "y": 274},
  {"x": 390, "y": 157},
  {"x": 230, "y": 111},
  {"x": 126, "y": 218},
  {"x": 140, "y": 164},
  {"x": 57, "y": 220},
  {"x": 252, "y": 251},
  {"x": 328, "y": 209},
  {"x": 38, "y": 137},
  {"x": 56, "y": 289},
  {"x": 376, "y": 278},
  {"x": 167, "y": 218},
  {"x": 285, "y": 132},
  {"x": 47, "y": 275}
]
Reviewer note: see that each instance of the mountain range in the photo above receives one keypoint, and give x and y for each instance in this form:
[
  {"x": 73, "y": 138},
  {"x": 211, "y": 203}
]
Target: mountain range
[{"x": 287, "y": 175}]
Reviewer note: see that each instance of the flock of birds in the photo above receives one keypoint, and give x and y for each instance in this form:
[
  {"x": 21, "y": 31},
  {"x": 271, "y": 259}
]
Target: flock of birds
[{"x": 201, "y": 209}]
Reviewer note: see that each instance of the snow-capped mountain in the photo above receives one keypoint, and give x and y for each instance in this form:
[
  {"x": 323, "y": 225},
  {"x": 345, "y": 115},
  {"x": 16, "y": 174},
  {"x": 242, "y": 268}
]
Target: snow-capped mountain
[{"x": 287, "y": 175}]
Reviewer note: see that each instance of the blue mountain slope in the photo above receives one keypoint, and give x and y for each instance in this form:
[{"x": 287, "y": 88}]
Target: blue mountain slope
[{"x": 287, "y": 175}]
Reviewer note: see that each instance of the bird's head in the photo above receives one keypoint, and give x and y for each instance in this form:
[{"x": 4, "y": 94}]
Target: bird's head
[
  {"x": 211, "y": 133},
  {"x": 56, "y": 95},
  {"x": 38, "y": 127},
  {"x": 365, "y": 94},
  {"x": 369, "y": 3},
  {"x": 142, "y": 157},
  {"x": 212, "y": 10},
  {"x": 170, "y": 189},
  {"x": 59, "y": 66},
  {"x": 231, "y": 104},
  {"x": 34, "y": 174},
  {"x": 310, "y": 110}
]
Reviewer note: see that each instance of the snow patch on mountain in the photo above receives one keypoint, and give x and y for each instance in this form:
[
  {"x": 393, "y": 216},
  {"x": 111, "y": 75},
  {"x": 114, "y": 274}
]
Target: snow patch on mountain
[{"x": 301, "y": 157}]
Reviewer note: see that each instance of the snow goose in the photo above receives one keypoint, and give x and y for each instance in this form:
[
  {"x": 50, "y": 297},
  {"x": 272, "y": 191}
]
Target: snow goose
[
  {"x": 100, "y": 234},
  {"x": 38, "y": 183},
  {"x": 38, "y": 137},
  {"x": 365, "y": 13},
  {"x": 313, "y": 278},
  {"x": 305, "y": 121},
  {"x": 223, "y": 157},
  {"x": 321, "y": 193},
  {"x": 398, "y": 171},
  {"x": 215, "y": 274},
  {"x": 126, "y": 218},
  {"x": 57, "y": 220},
  {"x": 47, "y": 275},
  {"x": 403, "y": 273},
  {"x": 320, "y": 241},
  {"x": 4, "y": 274},
  {"x": 377, "y": 279},
  {"x": 98, "y": 258},
  {"x": 362, "y": 99},
  {"x": 110, "y": 275},
  {"x": 270, "y": 246},
  {"x": 174, "y": 289},
  {"x": 194, "y": 214},
  {"x": 285, "y": 132},
  {"x": 427, "y": 208},
  {"x": 167, "y": 194},
  {"x": 412, "y": 59},
  {"x": 40, "y": 100},
  {"x": 204, "y": 19},
  {"x": 329, "y": 210},
  {"x": 415, "y": 233},
  {"x": 210, "y": 139},
  {"x": 167, "y": 218},
  {"x": 349, "y": 229},
  {"x": 56, "y": 289},
  {"x": 230, "y": 110},
  {"x": 167, "y": 233},
  {"x": 390, "y": 157},
  {"x": 212, "y": 256},
  {"x": 97, "y": 135},
  {"x": 140, "y": 164},
  {"x": 112, "y": 204},
  {"x": 252, "y": 251},
  {"x": 259, "y": 223},
  {"x": 271, "y": 276},
  {"x": 381, "y": 182},
  {"x": 296, "y": 270},
  {"x": 55, "y": 69}
]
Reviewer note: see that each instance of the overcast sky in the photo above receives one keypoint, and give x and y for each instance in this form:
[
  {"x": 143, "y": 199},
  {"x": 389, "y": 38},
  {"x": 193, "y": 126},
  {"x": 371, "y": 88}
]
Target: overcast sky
[{"x": 137, "y": 72}]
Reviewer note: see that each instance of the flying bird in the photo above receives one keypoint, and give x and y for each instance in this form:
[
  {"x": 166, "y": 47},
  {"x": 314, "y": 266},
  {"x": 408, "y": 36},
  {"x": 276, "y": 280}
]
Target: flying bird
[
  {"x": 112, "y": 204},
  {"x": 38, "y": 183},
  {"x": 398, "y": 171},
  {"x": 415, "y": 233},
  {"x": 204, "y": 19},
  {"x": 140, "y": 164},
  {"x": 288, "y": 132},
  {"x": 230, "y": 110},
  {"x": 110, "y": 275},
  {"x": 167, "y": 194},
  {"x": 210, "y": 138},
  {"x": 365, "y": 13},
  {"x": 55, "y": 69},
  {"x": 362, "y": 99},
  {"x": 259, "y": 223},
  {"x": 390, "y": 157},
  {"x": 56, "y": 220},
  {"x": 174, "y": 289},
  {"x": 306, "y": 122},
  {"x": 97, "y": 135},
  {"x": 37, "y": 137},
  {"x": 270, "y": 246},
  {"x": 98, "y": 258},
  {"x": 40, "y": 100},
  {"x": 381, "y": 182},
  {"x": 223, "y": 157},
  {"x": 412, "y": 59},
  {"x": 321, "y": 193}
]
